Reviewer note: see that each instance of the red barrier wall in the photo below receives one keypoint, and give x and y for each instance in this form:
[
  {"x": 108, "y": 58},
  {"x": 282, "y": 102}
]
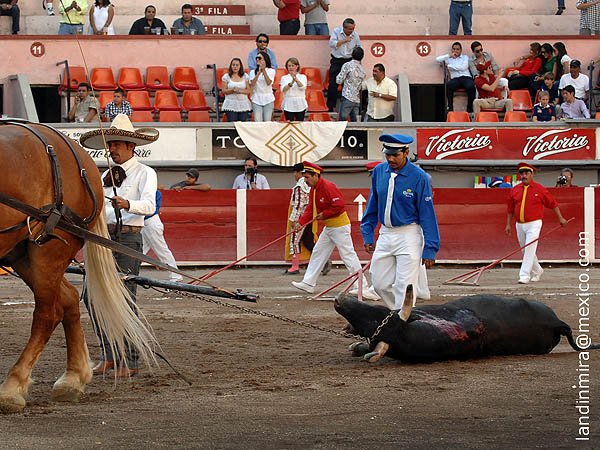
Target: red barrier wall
[{"x": 201, "y": 226}]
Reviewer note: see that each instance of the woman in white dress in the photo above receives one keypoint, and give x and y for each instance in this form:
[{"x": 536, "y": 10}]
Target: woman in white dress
[
  {"x": 293, "y": 86},
  {"x": 236, "y": 88},
  {"x": 261, "y": 82},
  {"x": 101, "y": 17}
]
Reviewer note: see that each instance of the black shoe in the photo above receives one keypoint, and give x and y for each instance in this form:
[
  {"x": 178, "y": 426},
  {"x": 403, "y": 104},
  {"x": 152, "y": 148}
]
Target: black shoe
[
  {"x": 559, "y": 11},
  {"x": 291, "y": 272},
  {"x": 326, "y": 268}
]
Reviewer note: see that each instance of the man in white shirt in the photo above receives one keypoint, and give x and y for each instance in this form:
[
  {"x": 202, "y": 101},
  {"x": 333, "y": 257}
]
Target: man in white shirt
[
  {"x": 342, "y": 41},
  {"x": 250, "y": 179},
  {"x": 578, "y": 80},
  {"x": 382, "y": 96},
  {"x": 130, "y": 194}
]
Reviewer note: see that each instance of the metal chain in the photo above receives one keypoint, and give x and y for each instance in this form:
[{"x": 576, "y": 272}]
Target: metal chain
[
  {"x": 270, "y": 315},
  {"x": 381, "y": 325}
]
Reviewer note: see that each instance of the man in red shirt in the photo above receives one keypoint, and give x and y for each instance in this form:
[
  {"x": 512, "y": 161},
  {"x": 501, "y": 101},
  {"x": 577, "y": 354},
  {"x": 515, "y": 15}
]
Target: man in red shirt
[
  {"x": 326, "y": 204},
  {"x": 490, "y": 87},
  {"x": 526, "y": 202},
  {"x": 288, "y": 16}
]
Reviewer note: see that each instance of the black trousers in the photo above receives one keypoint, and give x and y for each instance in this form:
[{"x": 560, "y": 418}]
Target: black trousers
[
  {"x": 289, "y": 27},
  {"x": 296, "y": 116},
  {"x": 465, "y": 83},
  {"x": 518, "y": 82},
  {"x": 334, "y": 71}
]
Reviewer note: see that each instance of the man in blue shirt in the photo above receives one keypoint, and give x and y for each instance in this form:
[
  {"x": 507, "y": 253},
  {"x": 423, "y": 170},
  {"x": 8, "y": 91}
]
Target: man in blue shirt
[
  {"x": 262, "y": 42},
  {"x": 187, "y": 23},
  {"x": 401, "y": 200}
]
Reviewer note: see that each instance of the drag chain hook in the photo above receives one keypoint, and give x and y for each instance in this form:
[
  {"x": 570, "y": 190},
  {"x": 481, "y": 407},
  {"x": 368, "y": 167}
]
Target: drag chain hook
[{"x": 380, "y": 327}]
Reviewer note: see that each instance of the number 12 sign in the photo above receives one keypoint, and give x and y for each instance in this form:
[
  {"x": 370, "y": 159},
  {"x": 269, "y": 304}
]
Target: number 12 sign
[{"x": 377, "y": 49}]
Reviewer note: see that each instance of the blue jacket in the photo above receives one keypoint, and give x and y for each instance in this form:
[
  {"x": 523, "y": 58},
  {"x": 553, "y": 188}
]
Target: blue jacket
[{"x": 412, "y": 203}]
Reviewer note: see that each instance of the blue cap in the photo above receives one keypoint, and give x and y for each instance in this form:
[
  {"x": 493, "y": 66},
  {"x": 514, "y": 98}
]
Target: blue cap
[{"x": 393, "y": 143}]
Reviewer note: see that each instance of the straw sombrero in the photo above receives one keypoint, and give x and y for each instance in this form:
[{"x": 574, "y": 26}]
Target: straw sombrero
[{"x": 120, "y": 129}]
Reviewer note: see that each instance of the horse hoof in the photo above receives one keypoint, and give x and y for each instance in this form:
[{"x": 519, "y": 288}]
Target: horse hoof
[
  {"x": 11, "y": 404},
  {"x": 359, "y": 348},
  {"x": 66, "y": 394}
]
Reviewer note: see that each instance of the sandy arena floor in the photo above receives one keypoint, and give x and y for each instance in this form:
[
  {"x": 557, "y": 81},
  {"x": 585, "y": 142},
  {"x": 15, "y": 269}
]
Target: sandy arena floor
[{"x": 260, "y": 383}]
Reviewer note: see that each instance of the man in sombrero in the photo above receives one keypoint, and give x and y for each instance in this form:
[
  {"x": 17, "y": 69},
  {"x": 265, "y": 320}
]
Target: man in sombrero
[{"x": 130, "y": 194}]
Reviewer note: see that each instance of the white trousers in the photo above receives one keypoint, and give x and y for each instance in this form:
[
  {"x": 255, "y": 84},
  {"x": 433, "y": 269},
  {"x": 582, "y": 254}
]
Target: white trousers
[
  {"x": 396, "y": 262},
  {"x": 329, "y": 239},
  {"x": 153, "y": 238},
  {"x": 527, "y": 232}
]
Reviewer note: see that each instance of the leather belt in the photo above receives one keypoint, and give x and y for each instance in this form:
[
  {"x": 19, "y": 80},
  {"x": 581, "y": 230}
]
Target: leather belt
[{"x": 125, "y": 229}]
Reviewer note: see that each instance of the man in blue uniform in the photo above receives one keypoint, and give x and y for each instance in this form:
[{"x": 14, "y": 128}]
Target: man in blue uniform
[{"x": 401, "y": 200}]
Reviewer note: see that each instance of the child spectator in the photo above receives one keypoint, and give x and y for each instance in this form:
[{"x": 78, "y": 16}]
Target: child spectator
[
  {"x": 551, "y": 87},
  {"x": 544, "y": 111},
  {"x": 118, "y": 106}
]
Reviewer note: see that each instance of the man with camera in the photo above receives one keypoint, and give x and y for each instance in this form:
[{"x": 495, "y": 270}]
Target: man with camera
[
  {"x": 565, "y": 179},
  {"x": 250, "y": 179}
]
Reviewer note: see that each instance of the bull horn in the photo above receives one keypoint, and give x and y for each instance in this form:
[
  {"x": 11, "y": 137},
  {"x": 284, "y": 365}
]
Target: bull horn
[{"x": 407, "y": 304}]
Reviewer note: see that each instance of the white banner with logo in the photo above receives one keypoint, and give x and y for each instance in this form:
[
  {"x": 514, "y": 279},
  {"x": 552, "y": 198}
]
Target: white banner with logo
[{"x": 288, "y": 143}]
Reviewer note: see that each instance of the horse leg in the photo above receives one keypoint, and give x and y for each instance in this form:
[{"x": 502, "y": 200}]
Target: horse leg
[{"x": 70, "y": 386}]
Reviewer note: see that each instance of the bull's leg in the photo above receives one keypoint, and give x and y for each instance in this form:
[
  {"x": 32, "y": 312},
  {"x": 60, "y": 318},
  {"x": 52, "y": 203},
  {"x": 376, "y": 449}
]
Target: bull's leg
[
  {"x": 380, "y": 350},
  {"x": 359, "y": 348},
  {"x": 70, "y": 386}
]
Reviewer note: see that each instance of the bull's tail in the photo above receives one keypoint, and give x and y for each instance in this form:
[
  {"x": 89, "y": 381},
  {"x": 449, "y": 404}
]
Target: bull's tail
[
  {"x": 116, "y": 314},
  {"x": 566, "y": 331}
]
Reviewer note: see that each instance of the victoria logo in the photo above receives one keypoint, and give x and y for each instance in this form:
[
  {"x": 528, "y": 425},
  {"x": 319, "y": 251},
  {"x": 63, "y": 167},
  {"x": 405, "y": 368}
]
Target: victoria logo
[
  {"x": 455, "y": 141},
  {"x": 550, "y": 143}
]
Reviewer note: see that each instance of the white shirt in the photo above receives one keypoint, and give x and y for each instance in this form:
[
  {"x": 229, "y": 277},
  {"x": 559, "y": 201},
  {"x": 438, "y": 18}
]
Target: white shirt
[
  {"x": 458, "y": 67},
  {"x": 345, "y": 50},
  {"x": 294, "y": 99},
  {"x": 236, "y": 102},
  {"x": 581, "y": 83},
  {"x": 262, "y": 94},
  {"x": 242, "y": 182},
  {"x": 379, "y": 108},
  {"x": 139, "y": 187}
]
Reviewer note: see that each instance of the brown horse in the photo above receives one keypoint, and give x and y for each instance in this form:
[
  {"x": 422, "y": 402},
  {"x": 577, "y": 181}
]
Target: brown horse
[{"x": 27, "y": 176}]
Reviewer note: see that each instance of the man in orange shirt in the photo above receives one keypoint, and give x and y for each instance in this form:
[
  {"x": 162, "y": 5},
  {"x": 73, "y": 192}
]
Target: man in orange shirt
[{"x": 526, "y": 202}]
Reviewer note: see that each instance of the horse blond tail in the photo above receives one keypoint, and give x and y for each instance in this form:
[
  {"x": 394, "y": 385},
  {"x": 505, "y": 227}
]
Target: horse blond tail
[{"x": 110, "y": 301}]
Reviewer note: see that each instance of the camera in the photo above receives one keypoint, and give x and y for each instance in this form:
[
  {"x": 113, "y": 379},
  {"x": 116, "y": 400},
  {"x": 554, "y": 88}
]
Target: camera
[
  {"x": 562, "y": 180},
  {"x": 252, "y": 171}
]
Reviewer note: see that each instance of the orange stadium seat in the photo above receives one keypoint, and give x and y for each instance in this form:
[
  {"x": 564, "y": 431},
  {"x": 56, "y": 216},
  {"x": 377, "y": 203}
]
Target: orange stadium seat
[
  {"x": 279, "y": 73},
  {"x": 102, "y": 79},
  {"x": 521, "y": 100},
  {"x": 130, "y": 79},
  {"x": 140, "y": 101},
  {"x": 194, "y": 101},
  {"x": 319, "y": 117},
  {"x": 316, "y": 101},
  {"x": 313, "y": 77},
  {"x": 327, "y": 81},
  {"x": 77, "y": 75},
  {"x": 278, "y": 100},
  {"x": 515, "y": 116},
  {"x": 220, "y": 72},
  {"x": 282, "y": 118},
  {"x": 508, "y": 69},
  {"x": 487, "y": 116},
  {"x": 166, "y": 101},
  {"x": 142, "y": 116},
  {"x": 169, "y": 116},
  {"x": 198, "y": 116},
  {"x": 157, "y": 77},
  {"x": 458, "y": 116},
  {"x": 597, "y": 115},
  {"x": 184, "y": 78},
  {"x": 105, "y": 98}
]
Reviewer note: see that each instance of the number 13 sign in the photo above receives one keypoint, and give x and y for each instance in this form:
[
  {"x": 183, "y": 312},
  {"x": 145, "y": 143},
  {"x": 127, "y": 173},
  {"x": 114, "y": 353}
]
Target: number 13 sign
[{"x": 423, "y": 48}]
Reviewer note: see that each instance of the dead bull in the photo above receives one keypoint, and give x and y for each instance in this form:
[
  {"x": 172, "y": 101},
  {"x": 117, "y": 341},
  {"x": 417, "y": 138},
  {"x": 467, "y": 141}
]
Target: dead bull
[{"x": 466, "y": 328}]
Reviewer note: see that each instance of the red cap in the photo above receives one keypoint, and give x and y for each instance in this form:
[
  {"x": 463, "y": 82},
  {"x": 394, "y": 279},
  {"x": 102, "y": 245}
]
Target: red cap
[
  {"x": 370, "y": 166},
  {"x": 525, "y": 166},
  {"x": 482, "y": 67},
  {"x": 311, "y": 167}
]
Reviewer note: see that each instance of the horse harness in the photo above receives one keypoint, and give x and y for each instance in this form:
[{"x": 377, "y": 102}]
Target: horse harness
[{"x": 51, "y": 214}]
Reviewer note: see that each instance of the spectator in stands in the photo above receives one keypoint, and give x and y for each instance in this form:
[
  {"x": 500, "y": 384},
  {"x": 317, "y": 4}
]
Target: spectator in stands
[
  {"x": 293, "y": 85},
  {"x": 342, "y": 41},
  {"x": 489, "y": 88},
  {"x": 590, "y": 16},
  {"x": 461, "y": 9},
  {"x": 460, "y": 77},
  {"x": 187, "y": 23},
  {"x": 10, "y": 8},
  {"x": 572, "y": 107},
  {"x": 191, "y": 182},
  {"x": 73, "y": 16},
  {"x": 262, "y": 43},
  {"x": 101, "y": 17},
  {"x": 519, "y": 78},
  {"x": 235, "y": 88},
  {"x": 552, "y": 88},
  {"x": 562, "y": 60},
  {"x": 352, "y": 76},
  {"x": 149, "y": 23},
  {"x": 288, "y": 15},
  {"x": 315, "y": 17},
  {"x": 578, "y": 80},
  {"x": 565, "y": 179},
  {"x": 548, "y": 65},
  {"x": 50, "y": 8},
  {"x": 544, "y": 111},
  {"x": 261, "y": 83},
  {"x": 561, "y": 7},
  {"x": 118, "y": 106},
  {"x": 382, "y": 96},
  {"x": 84, "y": 107},
  {"x": 480, "y": 57},
  {"x": 250, "y": 179}
]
